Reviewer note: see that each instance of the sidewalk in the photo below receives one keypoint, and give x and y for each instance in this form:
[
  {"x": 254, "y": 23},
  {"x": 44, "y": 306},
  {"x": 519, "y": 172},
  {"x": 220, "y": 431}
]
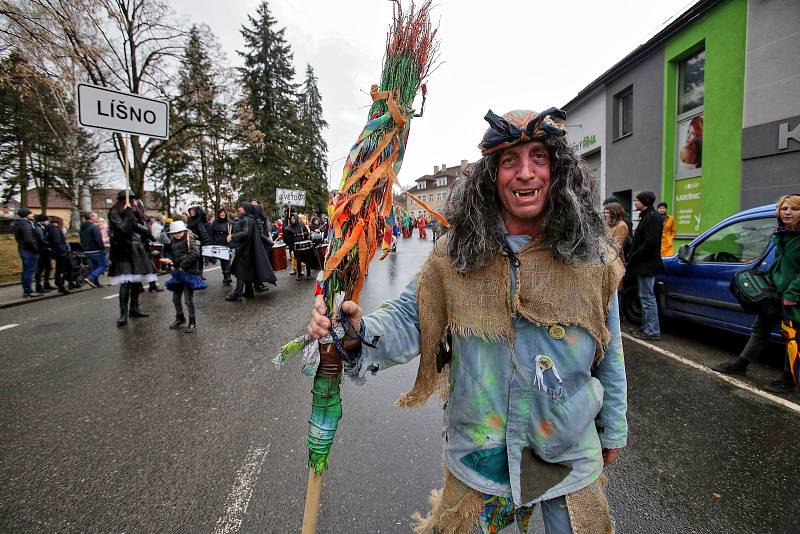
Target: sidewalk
[{"x": 11, "y": 295}]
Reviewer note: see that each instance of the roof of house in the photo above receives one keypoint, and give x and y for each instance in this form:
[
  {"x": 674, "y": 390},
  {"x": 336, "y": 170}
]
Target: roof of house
[
  {"x": 102, "y": 199},
  {"x": 690, "y": 16},
  {"x": 452, "y": 174}
]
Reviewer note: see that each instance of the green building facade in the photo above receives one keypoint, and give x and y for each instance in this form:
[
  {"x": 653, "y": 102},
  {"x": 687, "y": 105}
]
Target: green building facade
[{"x": 704, "y": 75}]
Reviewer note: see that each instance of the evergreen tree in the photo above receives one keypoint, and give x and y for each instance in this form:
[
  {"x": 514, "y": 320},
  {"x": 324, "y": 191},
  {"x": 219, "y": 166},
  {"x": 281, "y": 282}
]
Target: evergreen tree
[
  {"x": 312, "y": 150},
  {"x": 267, "y": 77},
  {"x": 195, "y": 105}
]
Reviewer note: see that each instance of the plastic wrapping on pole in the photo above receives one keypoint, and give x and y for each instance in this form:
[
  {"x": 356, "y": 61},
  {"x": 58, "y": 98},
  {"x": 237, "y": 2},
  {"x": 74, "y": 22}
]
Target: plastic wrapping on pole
[{"x": 326, "y": 408}]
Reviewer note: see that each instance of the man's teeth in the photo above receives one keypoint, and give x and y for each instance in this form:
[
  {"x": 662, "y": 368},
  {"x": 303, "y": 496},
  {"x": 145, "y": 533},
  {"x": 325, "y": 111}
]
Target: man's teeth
[{"x": 526, "y": 192}]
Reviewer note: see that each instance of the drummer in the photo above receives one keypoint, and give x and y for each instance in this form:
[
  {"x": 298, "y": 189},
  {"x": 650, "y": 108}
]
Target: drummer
[
  {"x": 221, "y": 228},
  {"x": 298, "y": 240}
]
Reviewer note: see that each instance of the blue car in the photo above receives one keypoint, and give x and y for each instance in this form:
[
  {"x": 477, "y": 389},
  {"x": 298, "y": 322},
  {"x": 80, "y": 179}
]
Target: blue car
[{"x": 696, "y": 284}]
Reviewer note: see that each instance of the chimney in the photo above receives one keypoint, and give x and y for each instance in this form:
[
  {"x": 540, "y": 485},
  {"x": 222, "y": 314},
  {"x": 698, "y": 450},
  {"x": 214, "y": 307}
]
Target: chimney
[
  {"x": 444, "y": 167},
  {"x": 435, "y": 169},
  {"x": 464, "y": 163}
]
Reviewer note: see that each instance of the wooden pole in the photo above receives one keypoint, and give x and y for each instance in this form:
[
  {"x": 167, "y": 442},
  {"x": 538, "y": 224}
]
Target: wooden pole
[{"x": 313, "y": 494}]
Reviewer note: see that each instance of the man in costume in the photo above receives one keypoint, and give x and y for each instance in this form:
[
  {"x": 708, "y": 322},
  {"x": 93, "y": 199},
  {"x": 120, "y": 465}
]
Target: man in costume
[
  {"x": 250, "y": 263},
  {"x": 515, "y": 319}
]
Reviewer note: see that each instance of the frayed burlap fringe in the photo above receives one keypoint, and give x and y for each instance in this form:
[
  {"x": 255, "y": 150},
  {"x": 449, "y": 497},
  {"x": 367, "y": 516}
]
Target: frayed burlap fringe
[
  {"x": 477, "y": 304},
  {"x": 455, "y": 509},
  {"x": 589, "y": 512}
]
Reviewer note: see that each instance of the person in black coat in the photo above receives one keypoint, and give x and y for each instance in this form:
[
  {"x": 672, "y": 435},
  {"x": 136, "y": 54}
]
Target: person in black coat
[
  {"x": 644, "y": 262},
  {"x": 220, "y": 230},
  {"x": 250, "y": 264},
  {"x": 44, "y": 265},
  {"x": 263, "y": 225},
  {"x": 28, "y": 248},
  {"x": 196, "y": 223},
  {"x": 59, "y": 248},
  {"x": 93, "y": 248},
  {"x": 295, "y": 232},
  {"x": 130, "y": 262}
]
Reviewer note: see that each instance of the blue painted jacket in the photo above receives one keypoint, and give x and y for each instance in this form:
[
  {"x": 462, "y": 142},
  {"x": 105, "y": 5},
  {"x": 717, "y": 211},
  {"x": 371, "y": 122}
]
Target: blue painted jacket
[{"x": 544, "y": 399}]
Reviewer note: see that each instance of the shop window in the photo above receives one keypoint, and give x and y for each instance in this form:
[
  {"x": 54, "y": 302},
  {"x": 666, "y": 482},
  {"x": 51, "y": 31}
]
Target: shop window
[
  {"x": 623, "y": 113},
  {"x": 742, "y": 242},
  {"x": 691, "y": 82},
  {"x": 689, "y": 120}
]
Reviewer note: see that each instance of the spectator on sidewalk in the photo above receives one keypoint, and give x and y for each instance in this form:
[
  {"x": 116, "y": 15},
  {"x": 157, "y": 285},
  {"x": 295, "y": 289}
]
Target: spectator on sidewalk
[
  {"x": 59, "y": 249},
  {"x": 614, "y": 215},
  {"x": 645, "y": 263},
  {"x": 28, "y": 248},
  {"x": 668, "y": 233},
  {"x": 156, "y": 227},
  {"x": 103, "y": 225},
  {"x": 44, "y": 266},
  {"x": 93, "y": 248},
  {"x": 785, "y": 272}
]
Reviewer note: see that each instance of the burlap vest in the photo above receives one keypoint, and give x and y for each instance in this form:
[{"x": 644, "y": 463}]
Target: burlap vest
[{"x": 479, "y": 303}]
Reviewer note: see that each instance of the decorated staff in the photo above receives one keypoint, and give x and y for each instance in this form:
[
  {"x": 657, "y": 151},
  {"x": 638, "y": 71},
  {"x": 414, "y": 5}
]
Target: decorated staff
[{"x": 358, "y": 221}]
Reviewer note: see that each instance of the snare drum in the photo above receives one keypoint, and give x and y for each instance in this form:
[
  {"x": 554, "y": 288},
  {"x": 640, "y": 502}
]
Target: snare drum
[
  {"x": 278, "y": 257},
  {"x": 303, "y": 245}
]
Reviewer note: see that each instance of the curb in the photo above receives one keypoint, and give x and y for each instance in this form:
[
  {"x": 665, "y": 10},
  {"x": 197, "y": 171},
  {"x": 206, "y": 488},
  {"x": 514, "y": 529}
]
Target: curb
[{"x": 48, "y": 296}]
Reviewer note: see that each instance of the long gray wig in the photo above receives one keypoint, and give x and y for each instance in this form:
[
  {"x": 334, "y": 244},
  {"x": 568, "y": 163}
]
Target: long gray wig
[{"x": 573, "y": 228}]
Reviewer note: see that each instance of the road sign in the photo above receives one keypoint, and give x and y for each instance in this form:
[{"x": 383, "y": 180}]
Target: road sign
[
  {"x": 107, "y": 109},
  {"x": 291, "y": 197}
]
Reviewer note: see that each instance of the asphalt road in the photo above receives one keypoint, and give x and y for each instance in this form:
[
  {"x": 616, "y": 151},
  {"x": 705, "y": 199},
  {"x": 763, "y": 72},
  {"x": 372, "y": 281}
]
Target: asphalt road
[{"x": 143, "y": 429}]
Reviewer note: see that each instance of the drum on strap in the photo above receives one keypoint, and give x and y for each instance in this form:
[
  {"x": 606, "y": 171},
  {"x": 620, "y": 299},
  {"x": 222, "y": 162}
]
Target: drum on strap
[
  {"x": 217, "y": 251},
  {"x": 303, "y": 245},
  {"x": 277, "y": 257}
]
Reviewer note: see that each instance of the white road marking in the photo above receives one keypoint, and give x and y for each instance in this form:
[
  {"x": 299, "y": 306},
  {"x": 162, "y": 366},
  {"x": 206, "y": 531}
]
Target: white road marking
[
  {"x": 789, "y": 405},
  {"x": 6, "y": 327},
  {"x": 111, "y": 297},
  {"x": 239, "y": 498},
  {"x": 211, "y": 269}
]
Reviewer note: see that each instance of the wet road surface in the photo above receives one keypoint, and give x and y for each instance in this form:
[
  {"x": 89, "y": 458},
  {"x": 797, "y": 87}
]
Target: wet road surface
[{"x": 143, "y": 429}]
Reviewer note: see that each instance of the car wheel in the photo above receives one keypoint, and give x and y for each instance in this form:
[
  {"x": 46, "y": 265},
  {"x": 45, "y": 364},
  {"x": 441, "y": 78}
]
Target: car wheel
[{"x": 631, "y": 307}]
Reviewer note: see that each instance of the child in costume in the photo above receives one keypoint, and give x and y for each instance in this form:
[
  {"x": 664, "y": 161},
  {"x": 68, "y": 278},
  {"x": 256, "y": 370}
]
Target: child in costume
[{"x": 186, "y": 276}]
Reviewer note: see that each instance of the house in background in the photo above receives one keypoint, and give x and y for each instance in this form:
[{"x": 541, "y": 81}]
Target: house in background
[
  {"x": 433, "y": 189},
  {"x": 97, "y": 200}
]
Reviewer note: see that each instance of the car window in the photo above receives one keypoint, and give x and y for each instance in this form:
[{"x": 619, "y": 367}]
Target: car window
[{"x": 741, "y": 242}]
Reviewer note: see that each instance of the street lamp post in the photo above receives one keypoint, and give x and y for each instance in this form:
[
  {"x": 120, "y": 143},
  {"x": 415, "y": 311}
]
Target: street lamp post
[{"x": 330, "y": 168}]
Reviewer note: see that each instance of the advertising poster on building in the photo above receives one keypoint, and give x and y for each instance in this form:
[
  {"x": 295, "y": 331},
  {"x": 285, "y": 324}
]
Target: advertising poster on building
[
  {"x": 689, "y": 147},
  {"x": 688, "y": 206}
]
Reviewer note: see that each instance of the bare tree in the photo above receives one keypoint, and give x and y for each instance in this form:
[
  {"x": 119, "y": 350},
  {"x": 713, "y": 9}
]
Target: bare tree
[{"x": 128, "y": 45}]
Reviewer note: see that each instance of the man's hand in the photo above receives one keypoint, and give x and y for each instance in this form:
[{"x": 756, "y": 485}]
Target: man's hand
[
  {"x": 787, "y": 302},
  {"x": 229, "y": 238},
  {"x": 610, "y": 456},
  {"x": 320, "y": 325}
]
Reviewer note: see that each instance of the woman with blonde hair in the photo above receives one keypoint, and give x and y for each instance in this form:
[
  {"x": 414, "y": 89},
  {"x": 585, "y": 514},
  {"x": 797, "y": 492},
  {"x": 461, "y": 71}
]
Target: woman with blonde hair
[
  {"x": 785, "y": 273},
  {"x": 614, "y": 215}
]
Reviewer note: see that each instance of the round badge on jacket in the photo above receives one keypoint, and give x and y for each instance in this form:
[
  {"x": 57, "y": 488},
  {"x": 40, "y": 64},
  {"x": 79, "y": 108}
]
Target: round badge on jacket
[{"x": 557, "y": 331}]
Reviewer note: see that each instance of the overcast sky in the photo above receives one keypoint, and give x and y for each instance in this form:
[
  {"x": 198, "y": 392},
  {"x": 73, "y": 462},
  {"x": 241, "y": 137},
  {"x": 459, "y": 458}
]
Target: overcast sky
[{"x": 499, "y": 55}]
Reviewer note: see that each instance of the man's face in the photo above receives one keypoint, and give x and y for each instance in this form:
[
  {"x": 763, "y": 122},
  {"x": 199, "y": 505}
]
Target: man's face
[
  {"x": 30, "y": 216},
  {"x": 662, "y": 210},
  {"x": 241, "y": 211},
  {"x": 254, "y": 202},
  {"x": 523, "y": 187},
  {"x": 638, "y": 204},
  {"x": 93, "y": 218}
]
